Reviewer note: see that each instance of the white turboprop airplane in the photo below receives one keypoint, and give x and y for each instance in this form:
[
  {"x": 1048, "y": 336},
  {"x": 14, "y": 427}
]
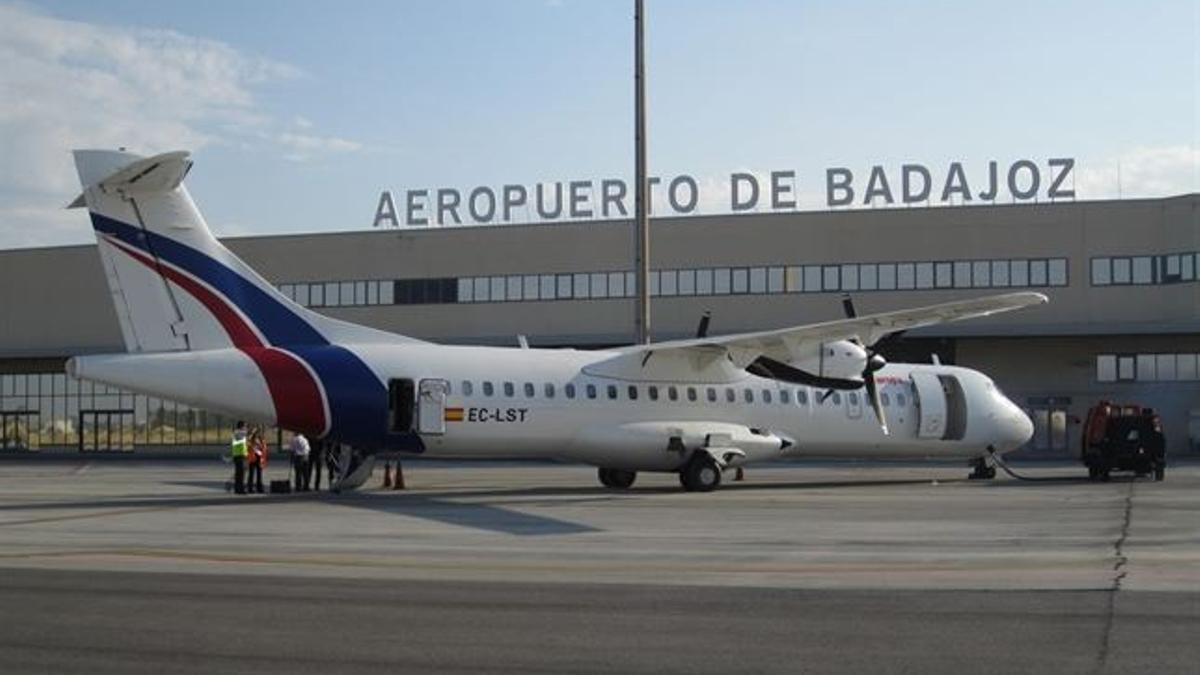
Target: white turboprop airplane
[{"x": 201, "y": 327}]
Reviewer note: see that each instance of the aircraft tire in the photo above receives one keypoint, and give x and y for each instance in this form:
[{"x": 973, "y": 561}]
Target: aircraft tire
[
  {"x": 616, "y": 479},
  {"x": 700, "y": 475}
]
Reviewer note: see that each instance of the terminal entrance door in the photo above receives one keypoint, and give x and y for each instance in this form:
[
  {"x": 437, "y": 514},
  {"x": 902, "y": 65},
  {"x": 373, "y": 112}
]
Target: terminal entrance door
[
  {"x": 16, "y": 429},
  {"x": 106, "y": 430}
]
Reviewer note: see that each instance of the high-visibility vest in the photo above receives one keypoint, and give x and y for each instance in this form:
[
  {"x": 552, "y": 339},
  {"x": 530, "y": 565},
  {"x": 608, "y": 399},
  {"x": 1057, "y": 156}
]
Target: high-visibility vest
[{"x": 238, "y": 447}]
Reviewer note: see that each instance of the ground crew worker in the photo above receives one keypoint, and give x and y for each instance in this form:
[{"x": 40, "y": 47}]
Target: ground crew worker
[
  {"x": 300, "y": 451},
  {"x": 257, "y": 461},
  {"x": 315, "y": 460},
  {"x": 238, "y": 450}
]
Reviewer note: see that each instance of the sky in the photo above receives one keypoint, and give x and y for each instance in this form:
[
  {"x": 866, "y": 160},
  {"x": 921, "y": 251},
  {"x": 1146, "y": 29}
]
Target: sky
[{"x": 299, "y": 113}]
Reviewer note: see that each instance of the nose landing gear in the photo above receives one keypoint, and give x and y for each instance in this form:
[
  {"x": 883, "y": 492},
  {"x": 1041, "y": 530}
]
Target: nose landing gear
[{"x": 981, "y": 470}]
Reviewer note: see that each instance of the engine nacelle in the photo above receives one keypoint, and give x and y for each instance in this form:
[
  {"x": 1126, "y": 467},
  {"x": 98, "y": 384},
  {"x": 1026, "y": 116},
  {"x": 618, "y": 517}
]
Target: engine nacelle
[
  {"x": 647, "y": 446},
  {"x": 840, "y": 359}
]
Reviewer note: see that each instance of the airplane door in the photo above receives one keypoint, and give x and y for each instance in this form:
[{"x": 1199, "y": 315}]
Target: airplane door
[
  {"x": 431, "y": 406},
  {"x": 931, "y": 402}
]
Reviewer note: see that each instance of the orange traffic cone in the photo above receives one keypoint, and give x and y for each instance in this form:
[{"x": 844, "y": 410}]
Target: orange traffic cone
[
  {"x": 399, "y": 484},
  {"x": 387, "y": 474}
]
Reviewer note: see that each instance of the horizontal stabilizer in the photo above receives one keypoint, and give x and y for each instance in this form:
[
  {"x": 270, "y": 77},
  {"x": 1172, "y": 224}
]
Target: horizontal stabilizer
[{"x": 160, "y": 173}]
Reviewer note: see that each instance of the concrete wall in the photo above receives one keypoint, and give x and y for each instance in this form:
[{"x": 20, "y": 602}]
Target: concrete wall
[{"x": 55, "y": 300}]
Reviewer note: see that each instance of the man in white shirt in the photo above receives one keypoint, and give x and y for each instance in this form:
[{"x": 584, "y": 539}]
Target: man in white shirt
[{"x": 300, "y": 451}]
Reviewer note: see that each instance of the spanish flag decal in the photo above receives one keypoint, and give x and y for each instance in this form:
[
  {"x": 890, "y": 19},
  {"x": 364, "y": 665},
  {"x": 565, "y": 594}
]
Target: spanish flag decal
[{"x": 454, "y": 414}]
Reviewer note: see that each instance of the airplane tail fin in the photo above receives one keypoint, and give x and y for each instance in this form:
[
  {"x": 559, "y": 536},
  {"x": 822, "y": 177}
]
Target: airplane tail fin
[{"x": 174, "y": 286}]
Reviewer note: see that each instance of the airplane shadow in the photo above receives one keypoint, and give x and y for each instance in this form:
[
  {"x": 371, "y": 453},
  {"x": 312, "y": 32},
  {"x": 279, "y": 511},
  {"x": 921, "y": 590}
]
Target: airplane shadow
[
  {"x": 446, "y": 505},
  {"x": 435, "y": 507},
  {"x": 605, "y": 494},
  {"x": 471, "y": 515}
]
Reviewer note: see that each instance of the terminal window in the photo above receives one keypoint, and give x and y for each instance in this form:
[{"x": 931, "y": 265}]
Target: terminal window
[
  {"x": 814, "y": 278},
  {"x": 1142, "y": 270},
  {"x": 1166, "y": 367}
]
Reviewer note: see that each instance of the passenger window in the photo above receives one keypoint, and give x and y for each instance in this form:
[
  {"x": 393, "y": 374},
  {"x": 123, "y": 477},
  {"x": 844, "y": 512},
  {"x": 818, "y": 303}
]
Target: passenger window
[
  {"x": 801, "y": 397},
  {"x": 673, "y": 393},
  {"x": 632, "y": 393},
  {"x": 784, "y": 396},
  {"x": 853, "y": 398},
  {"x": 509, "y": 389},
  {"x": 691, "y": 392},
  {"x": 529, "y": 390},
  {"x": 488, "y": 389},
  {"x": 591, "y": 391},
  {"x": 766, "y": 395},
  {"x": 467, "y": 388},
  {"x": 549, "y": 389},
  {"x": 900, "y": 400},
  {"x": 749, "y": 395},
  {"x": 712, "y": 394},
  {"x": 885, "y": 399},
  {"x": 653, "y": 392},
  {"x": 730, "y": 396},
  {"x": 612, "y": 392},
  {"x": 837, "y": 398},
  {"x": 570, "y": 390}
]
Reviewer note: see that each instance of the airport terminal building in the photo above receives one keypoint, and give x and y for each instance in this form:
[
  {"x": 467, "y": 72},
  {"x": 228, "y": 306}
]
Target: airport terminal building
[{"x": 1123, "y": 323}]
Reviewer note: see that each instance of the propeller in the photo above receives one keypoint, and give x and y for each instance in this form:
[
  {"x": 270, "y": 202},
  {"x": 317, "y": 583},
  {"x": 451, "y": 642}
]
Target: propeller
[
  {"x": 765, "y": 366},
  {"x": 874, "y": 363}
]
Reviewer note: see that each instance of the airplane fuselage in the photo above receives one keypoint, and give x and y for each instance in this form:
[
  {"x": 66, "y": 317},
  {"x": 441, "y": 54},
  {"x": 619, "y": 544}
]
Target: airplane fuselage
[{"x": 454, "y": 401}]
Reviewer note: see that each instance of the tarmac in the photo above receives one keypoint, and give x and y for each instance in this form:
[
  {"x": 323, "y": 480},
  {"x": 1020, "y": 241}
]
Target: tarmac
[{"x": 132, "y": 566}]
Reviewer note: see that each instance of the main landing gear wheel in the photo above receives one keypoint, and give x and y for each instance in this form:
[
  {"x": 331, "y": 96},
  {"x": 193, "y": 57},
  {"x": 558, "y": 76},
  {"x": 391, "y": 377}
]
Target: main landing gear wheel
[
  {"x": 617, "y": 479},
  {"x": 700, "y": 475}
]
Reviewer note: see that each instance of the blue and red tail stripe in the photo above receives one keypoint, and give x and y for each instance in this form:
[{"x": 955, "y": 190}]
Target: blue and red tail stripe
[
  {"x": 295, "y": 392},
  {"x": 317, "y": 387}
]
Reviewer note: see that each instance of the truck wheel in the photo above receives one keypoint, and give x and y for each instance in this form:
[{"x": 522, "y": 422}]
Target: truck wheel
[
  {"x": 1160, "y": 472},
  {"x": 1093, "y": 472},
  {"x": 1105, "y": 474}
]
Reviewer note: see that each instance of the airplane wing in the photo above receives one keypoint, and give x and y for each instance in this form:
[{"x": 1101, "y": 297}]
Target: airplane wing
[{"x": 780, "y": 344}]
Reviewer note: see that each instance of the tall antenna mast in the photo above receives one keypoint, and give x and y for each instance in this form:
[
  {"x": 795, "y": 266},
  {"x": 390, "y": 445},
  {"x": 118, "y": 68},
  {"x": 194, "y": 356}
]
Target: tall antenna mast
[{"x": 641, "y": 319}]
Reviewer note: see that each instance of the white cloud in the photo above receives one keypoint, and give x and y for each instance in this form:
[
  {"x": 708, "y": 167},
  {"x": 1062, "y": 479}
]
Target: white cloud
[
  {"x": 302, "y": 146},
  {"x": 1140, "y": 172},
  {"x": 68, "y": 84}
]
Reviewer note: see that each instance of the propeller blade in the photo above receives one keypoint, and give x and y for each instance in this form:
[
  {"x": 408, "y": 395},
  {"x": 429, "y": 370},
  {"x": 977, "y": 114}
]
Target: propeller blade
[
  {"x": 765, "y": 366},
  {"x": 848, "y": 306},
  {"x": 826, "y": 395},
  {"x": 702, "y": 329},
  {"x": 873, "y": 395}
]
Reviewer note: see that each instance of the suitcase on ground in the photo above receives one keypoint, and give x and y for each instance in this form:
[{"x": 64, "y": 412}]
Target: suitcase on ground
[{"x": 281, "y": 487}]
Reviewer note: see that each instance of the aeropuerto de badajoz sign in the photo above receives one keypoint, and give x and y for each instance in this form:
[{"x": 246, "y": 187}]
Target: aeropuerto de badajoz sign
[{"x": 1020, "y": 180}]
